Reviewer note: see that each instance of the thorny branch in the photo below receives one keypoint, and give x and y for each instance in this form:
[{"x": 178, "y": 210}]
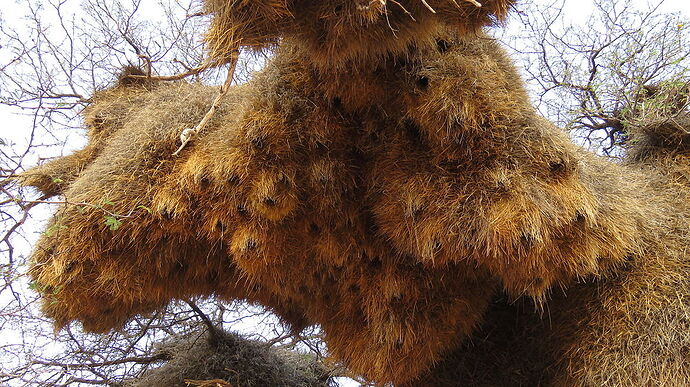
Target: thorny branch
[{"x": 588, "y": 82}]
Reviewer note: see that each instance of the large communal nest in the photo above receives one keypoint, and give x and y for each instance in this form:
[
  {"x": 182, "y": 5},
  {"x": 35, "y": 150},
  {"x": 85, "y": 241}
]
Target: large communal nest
[
  {"x": 337, "y": 31},
  {"x": 385, "y": 204},
  {"x": 224, "y": 358}
]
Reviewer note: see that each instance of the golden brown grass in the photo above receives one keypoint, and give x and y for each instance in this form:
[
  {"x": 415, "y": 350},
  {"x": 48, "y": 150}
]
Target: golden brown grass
[{"x": 339, "y": 32}]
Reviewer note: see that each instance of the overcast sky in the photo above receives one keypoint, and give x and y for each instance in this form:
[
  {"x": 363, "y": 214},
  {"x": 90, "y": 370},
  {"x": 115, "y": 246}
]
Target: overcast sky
[{"x": 16, "y": 127}]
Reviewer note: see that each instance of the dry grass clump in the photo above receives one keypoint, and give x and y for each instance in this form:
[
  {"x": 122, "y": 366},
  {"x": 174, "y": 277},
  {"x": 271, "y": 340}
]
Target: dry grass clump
[
  {"x": 101, "y": 120},
  {"x": 234, "y": 360},
  {"x": 340, "y": 31},
  {"x": 627, "y": 330},
  {"x": 658, "y": 121},
  {"x": 268, "y": 204},
  {"x": 81, "y": 256},
  {"x": 385, "y": 203}
]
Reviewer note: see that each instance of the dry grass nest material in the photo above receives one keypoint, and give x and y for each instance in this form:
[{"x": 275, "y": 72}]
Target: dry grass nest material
[
  {"x": 658, "y": 121},
  {"x": 338, "y": 31},
  {"x": 384, "y": 204},
  {"x": 230, "y": 360}
]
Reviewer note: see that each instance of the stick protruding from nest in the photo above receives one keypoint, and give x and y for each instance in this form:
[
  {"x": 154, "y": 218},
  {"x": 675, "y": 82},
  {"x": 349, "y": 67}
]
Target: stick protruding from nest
[{"x": 189, "y": 133}]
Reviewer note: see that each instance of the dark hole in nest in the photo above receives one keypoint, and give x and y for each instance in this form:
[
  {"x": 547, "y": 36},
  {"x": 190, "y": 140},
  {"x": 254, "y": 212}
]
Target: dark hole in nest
[
  {"x": 314, "y": 228},
  {"x": 251, "y": 245},
  {"x": 258, "y": 143},
  {"x": 526, "y": 240},
  {"x": 98, "y": 121},
  {"x": 422, "y": 83},
  {"x": 559, "y": 168},
  {"x": 269, "y": 202},
  {"x": 442, "y": 46},
  {"x": 180, "y": 268},
  {"x": 70, "y": 267},
  {"x": 354, "y": 288},
  {"x": 337, "y": 102},
  {"x": 204, "y": 182},
  {"x": 417, "y": 212},
  {"x": 242, "y": 210},
  {"x": 320, "y": 148},
  {"x": 376, "y": 263},
  {"x": 167, "y": 215},
  {"x": 413, "y": 131},
  {"x": 234, "y": 180},
  {"x": 579, "y": 217}
]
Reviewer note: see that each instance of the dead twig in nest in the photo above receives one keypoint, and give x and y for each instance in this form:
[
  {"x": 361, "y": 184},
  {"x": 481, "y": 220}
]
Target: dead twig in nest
[
  {"x": 176, "y": 77},
  {"x": 188, "y": 134},
  {"x": 404, "y": 9},
  {"x": 212, "y": 329},
  {"x": 473, "y": 2},
  {"x": 428, "y": 6},
  {"x": 208, "y": 383}
]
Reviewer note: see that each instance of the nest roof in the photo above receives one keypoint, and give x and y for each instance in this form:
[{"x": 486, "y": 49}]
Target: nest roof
[{"x": 339, "y": 31}]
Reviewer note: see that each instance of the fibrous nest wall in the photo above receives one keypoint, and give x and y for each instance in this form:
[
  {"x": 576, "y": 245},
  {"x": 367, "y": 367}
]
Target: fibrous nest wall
[
  {"x": 338, "y": 32},
  {"x": 386, "y": 203},
  {"x": 629, "y": 328}
]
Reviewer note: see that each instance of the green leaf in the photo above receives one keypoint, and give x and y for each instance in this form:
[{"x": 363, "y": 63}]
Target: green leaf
[
  {"x": 57, "y": 180},
  {"x": 112, "y": 222},
  {"x": 145, "y": 209},
  {"x": 37, "y": 287},
  {"x": 53, "y": 229}
]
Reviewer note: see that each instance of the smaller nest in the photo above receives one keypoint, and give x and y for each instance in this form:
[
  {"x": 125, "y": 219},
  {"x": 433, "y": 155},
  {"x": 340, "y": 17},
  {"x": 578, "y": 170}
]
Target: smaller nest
[
  {"x": 235, "y": 361},
  {"x": 660, "y": 121},
  {"x": 339, "y": 32}
]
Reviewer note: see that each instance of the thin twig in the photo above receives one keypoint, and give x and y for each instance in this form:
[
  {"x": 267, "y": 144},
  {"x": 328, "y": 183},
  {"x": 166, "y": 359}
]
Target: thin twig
[
  {"x": 193, "y": 71},
  {"x": 188, "y": 134},
  {"x": 147, "y": 59},
  {"x": 428, "y": 6},
  {"x": 212, "y": 329},
  {"x": 404, "y": 9},
  {"x": 475, "y": 2}
]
